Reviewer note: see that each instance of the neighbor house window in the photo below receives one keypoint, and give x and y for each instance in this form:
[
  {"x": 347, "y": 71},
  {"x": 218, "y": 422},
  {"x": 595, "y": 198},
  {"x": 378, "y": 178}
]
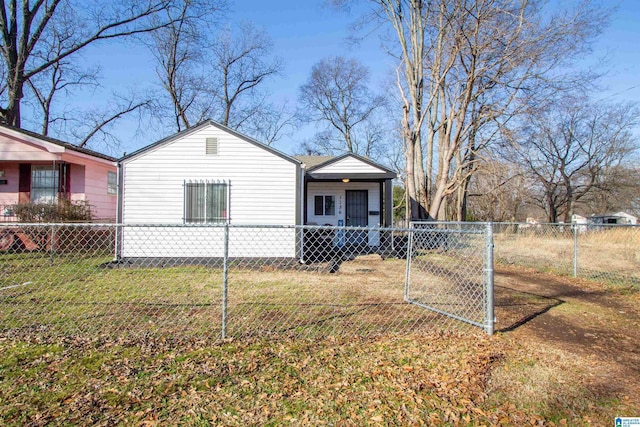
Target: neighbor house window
[
  {"x": 325, "y": 205},
  {"x": 44, "y": 184},
  {"x": 206, "y": 202},
  {"x": 112, "y": 183}
]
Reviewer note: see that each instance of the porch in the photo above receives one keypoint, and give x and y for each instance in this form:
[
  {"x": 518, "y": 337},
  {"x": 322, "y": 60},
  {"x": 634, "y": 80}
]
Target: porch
[{"x": 348, "y": 191}]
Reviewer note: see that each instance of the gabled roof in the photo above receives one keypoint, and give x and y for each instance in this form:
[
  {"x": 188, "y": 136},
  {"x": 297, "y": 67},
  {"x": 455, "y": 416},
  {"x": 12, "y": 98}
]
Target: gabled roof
[
  {"x": 202, "y": 125},
  {"x": 311, "y": 161},
  {"x": 66, "y": 145},
  {"x": 315, "y": 164},
  {"x": 613, "y": 214},
  {"x": 332, "y": 160}
]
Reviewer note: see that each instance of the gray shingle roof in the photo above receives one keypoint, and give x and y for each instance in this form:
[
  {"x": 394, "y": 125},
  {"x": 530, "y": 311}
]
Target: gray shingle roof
[{"x": 311, "y": 161}]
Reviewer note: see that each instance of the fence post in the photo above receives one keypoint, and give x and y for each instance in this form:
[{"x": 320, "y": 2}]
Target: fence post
[
  {"x": 407, "y": 273},
  {"x": 52, "y": 244},
  {"x": 225, "y": 280},
  {"x": 117, "y": 242},
  {"x": 489, "y": 271},
  {"x": 575, "y": 250}
]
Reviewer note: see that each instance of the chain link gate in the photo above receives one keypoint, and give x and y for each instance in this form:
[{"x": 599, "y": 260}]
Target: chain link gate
[{"x": 450, "y": 271}]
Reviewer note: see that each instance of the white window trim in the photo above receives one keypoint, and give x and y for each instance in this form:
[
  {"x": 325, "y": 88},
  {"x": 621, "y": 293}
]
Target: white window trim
[
  {"x": 55, "y": 188},
  {"x": 324, "y": 214}
]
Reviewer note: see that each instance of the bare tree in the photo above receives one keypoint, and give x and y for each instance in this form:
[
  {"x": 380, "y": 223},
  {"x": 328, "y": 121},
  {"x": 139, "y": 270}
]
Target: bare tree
[
  {"x": 619, "y": 190},
  {"x": 568, "y": 150},
  {"x": 59, "y": 78},
  {"x": 98, "y": 122},
  {"x": 463, "y": 68},
  {"x": 410, "y": 20},
  {"x": 271, "y": 123},
  {"x": 23, "y": 29},
  {"x": 498, "y": 191},
  {"x": 180, "y": 61},
  {"x": 337, "y": 94},
  {"x": 240, "y": 62},
  {"x": 220, "y": 76},
  {"x": 62, "y": 77},
  {"x": 93, "y": 126}
]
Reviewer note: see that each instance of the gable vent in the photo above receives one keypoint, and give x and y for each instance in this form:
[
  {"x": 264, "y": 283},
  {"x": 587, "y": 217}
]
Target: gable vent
[{"x": 212, "y": 146}]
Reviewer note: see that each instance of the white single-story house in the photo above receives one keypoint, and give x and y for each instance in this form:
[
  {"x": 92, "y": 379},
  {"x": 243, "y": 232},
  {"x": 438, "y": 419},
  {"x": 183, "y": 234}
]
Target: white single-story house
[
  {"x": 212, "y": 175},
  {"x": 613, "y": 218},
  {"x": 578, "y": 219},
  {"x": 580, "y": 222}
]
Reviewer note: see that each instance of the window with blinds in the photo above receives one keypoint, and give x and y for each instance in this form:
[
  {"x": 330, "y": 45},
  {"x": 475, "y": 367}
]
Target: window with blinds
[{"x": 206, "y": 202}]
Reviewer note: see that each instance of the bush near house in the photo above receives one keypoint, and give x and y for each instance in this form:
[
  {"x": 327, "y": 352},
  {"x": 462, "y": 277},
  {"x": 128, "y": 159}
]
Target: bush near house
[
  {"x": 41, "y": 238},
  {"x": 60, "y": 211}
]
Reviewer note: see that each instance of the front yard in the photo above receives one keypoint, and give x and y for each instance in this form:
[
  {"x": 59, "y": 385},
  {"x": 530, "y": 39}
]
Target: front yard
[{"x": 566, "y": 355}]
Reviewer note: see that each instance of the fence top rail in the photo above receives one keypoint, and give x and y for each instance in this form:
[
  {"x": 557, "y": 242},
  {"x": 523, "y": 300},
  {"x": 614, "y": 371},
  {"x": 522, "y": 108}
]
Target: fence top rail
[
  {"x": 463, "y": 223},
  {"x": 197, "y": 226},
  {"x": 413, "y": 226},
  {"x": 562, "y": 224},
  {"x": 222, "y": 227},
  {"x": 56, "y": 224}
]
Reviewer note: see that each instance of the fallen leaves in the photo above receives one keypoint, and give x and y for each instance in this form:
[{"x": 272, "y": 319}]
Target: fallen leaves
[{"x": 427, "y": 379}]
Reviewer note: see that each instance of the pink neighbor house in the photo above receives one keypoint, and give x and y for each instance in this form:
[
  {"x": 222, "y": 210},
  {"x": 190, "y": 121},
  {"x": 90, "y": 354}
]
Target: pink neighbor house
[{"x": 39, "y": 169}]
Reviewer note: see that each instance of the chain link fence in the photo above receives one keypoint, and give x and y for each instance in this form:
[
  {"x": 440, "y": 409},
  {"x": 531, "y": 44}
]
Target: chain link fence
[
  {"x": 227, "y": 281},
  {"x": 210, "y": 282},
  {"x": 605, "y": 253}
]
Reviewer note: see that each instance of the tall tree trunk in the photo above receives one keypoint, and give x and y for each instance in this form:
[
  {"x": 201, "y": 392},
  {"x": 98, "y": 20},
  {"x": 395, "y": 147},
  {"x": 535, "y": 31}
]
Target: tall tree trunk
[
  {"x": 410, "y": 182},
  {"x": 568, "y": 214}
]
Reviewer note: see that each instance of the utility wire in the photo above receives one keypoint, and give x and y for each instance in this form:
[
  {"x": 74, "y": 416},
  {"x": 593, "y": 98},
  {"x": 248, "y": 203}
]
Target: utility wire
[{"x": 618, "y": 93}]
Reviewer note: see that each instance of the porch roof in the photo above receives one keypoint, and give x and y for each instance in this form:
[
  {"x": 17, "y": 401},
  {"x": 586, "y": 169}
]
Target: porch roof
[
  {"x": 313, "y": 161},
  {"x": 347, "y": 166}
]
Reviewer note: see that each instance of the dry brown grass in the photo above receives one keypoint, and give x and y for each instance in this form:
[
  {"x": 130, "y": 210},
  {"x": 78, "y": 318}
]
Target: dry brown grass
[{"x": 611, "y": 255}]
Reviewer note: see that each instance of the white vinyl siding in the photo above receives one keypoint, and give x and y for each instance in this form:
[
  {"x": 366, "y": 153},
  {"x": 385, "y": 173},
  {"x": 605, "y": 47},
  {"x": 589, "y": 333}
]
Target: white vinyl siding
[
  {"x": 261, "y": 191},
  {"x": 349, "y": 165},
  {"x": 262, "y": 186}
]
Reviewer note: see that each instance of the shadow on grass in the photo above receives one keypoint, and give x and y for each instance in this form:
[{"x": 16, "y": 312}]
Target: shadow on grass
[{"x": 520, "y": 307}]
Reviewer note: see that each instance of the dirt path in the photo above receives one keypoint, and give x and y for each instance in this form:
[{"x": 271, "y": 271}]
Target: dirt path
[{"x": 598, "y": 327}]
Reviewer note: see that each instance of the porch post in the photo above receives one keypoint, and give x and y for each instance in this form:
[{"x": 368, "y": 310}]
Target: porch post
[{"x": 388, "y": 203}]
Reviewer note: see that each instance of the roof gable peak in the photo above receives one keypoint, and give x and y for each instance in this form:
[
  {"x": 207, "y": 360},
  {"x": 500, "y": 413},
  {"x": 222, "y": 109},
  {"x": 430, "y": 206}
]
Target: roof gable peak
[{"x": 202, "y": 125}]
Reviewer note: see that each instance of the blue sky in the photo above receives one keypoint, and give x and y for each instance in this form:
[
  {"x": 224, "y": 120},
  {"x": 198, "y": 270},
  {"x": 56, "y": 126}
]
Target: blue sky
[{"x": 305, "y": 31}]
